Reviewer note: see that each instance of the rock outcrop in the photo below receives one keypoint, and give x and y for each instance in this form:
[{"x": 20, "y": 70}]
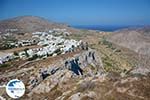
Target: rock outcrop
[{"x": 85, "y": 64}]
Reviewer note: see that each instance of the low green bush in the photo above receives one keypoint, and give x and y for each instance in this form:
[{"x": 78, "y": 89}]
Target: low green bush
[{"x": 4, "y": 65}]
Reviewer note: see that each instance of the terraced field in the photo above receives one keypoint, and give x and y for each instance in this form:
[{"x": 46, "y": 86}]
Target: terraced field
[{"x": 115, "y": 58}]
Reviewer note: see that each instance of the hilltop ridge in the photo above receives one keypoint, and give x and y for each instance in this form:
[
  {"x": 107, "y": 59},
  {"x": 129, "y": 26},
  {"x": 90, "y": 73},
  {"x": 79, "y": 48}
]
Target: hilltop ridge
[{"x": 29, "y": 24}]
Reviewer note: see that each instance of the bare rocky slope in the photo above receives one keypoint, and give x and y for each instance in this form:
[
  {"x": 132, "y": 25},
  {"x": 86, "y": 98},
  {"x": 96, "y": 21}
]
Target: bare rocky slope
[
  {"x": 30, "y": 24},
  {"x": 136, "y": 39},
  {"x": 78, "y": 77}
]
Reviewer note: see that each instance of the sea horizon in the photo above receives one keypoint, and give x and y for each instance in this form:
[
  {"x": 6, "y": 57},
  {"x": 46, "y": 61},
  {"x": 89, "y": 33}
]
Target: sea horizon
[{"x": 109, "y": 28}]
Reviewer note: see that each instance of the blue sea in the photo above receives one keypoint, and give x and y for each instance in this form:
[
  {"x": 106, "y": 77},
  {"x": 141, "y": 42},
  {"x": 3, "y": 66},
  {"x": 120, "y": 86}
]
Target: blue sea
[{"x": 108, "y": 28}]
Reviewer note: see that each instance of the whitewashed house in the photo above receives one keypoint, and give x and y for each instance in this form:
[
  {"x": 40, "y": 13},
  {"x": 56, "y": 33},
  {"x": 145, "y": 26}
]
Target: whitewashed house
[
  {"x": 4, "y": 57},
  {"x": 50, "y": 45}
]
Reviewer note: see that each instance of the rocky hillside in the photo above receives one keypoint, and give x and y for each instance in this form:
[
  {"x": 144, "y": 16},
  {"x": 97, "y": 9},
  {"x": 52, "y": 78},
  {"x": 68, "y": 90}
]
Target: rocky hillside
[
  {"x": 79, "y": 65},
  {"x": 29, "y": 24},
  {"x": 145, "y": 30},
  {"x": 79, "y": 76},
  {"x": 136, "y": 39}
]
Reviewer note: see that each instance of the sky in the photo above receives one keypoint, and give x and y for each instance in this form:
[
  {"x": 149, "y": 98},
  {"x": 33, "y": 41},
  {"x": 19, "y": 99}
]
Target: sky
[{"x": 81, "y": 12}]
